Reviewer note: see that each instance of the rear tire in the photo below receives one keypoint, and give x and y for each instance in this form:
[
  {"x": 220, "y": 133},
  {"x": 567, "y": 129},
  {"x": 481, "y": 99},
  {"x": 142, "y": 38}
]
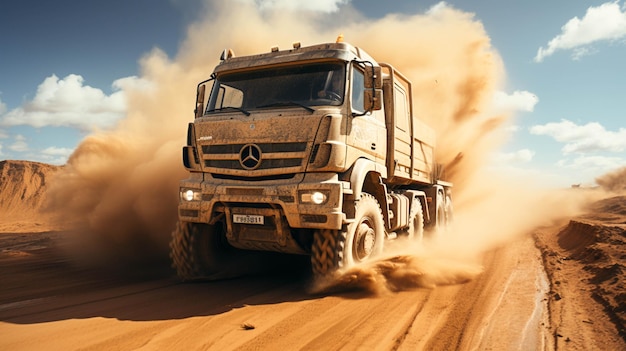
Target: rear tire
[
  {"x": 416, "y": 222},
  {"x": 361, "y": 240},
  {"x": 449, "y": 211},
  {"x": 439, "y": 225}
]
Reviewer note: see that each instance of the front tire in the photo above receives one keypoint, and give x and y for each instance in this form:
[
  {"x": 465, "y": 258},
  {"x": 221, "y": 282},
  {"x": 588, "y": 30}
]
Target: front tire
[
  {"x": 198, "y": 251},
  {"x": 361, "y": 240}
]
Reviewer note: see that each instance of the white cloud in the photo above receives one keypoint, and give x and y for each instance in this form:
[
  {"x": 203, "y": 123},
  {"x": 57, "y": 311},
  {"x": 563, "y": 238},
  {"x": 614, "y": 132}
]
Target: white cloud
[
  {"x": 604, "y": 22},
  {"x": 0, "y": 149},
  {"x": 56, "y": 155},
  {"x": 588, "y": 168},
  {"x": 512, "y": 128},
  {"x": 3, "y": 107},
  {"x": 600, "y": 164},
  {"x": 57, "y": 151},
  {"x": 3, "y": 134},
  {"x": 519, "y": 156},
  {"x": 518, "y": 101},
  {"x": 55, "y": 161},
  {"x": 132, "y": 83},
  {"x": 579, "y": 53},
  {"x": 19, "y": 145},
  {"x": 579, "y": 169},
  {"x": 437, "y": 8},
  {"x": 587, "y": 138},
  {"x": 325, "y": 6},
  {"x": 68, "y": 102}
]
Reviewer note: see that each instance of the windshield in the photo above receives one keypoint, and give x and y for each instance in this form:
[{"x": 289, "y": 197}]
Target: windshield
[{"x": 302, "y": 85}]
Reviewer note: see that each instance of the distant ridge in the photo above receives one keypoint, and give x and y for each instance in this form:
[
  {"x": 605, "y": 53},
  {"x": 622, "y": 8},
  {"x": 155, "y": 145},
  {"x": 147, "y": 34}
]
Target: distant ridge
[{"x": 23, "y": 186}]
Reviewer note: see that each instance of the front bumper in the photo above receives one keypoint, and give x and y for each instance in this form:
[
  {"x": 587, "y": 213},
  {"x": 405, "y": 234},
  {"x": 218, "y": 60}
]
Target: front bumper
[{"x": 281, "y": 203}]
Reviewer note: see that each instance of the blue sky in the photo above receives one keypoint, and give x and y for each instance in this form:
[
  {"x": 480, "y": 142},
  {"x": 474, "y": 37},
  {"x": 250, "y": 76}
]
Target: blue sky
[{"x": 64, "y": 65}]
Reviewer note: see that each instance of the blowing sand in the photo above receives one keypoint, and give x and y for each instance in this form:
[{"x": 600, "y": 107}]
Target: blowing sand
[{"x": 116, "y": 202}]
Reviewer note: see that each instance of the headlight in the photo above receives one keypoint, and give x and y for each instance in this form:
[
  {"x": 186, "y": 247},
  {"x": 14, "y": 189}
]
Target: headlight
[
  {"x": 190, "y": 194},
  {"x": 316, "y": 197}
]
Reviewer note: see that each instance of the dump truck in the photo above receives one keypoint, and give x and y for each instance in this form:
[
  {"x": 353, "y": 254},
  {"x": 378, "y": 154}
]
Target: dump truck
[{"x": 311, "y": 151}]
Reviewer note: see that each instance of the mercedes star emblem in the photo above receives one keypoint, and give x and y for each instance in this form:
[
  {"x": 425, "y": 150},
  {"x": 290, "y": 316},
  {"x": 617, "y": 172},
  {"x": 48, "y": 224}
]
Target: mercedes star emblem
[{"x": 250, "y": 156}]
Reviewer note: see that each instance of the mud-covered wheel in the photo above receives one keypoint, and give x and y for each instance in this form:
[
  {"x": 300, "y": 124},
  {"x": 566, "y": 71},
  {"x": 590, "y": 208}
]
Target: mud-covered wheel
[
  {"x": 416, "y": 222},
  {"x": 449, "y": 210},
  {"x": 197, "y": 251},
  {"x": 439, "y": 224},
  {"x": 361, "y": 240},
  {"x": 324, "y": 252}
]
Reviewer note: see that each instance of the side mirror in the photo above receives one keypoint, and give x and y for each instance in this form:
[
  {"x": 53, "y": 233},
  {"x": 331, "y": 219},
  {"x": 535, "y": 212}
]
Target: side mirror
[
  {"x": 199, "y": 111},
  {"x": 373, "y": 77},
  {"x": 372, "y": 95},
  {"x": 372, "y": 99}
]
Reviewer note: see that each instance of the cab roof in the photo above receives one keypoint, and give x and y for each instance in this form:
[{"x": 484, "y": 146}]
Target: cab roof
[{"x": 339, "y": 51}]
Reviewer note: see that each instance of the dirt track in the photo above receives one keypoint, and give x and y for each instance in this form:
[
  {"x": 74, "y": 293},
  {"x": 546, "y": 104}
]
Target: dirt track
[
  {"x": 47, "y": 303},
  {"x": 559, "y": 289}
]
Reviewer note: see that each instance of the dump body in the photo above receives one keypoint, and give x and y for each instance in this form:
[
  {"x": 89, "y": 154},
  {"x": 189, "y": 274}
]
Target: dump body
[{"x": 285, "y": 144}]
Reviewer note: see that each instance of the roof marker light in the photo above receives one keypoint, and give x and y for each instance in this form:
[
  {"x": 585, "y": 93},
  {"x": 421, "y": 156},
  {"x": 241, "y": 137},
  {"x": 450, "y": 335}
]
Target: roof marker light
[{"x": 226, "y": 54}]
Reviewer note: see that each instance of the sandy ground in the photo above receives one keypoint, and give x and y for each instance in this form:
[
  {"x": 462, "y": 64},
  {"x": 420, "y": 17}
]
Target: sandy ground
[
  {"x": 559, "y": 287},
  {"x": 48, "y": 302}
]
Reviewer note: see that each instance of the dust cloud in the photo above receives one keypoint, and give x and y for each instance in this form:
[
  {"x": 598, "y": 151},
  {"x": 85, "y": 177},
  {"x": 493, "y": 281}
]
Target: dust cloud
[
  {"x": 613, "y": 181},
  {"x": 404, "y": 266},
  {"x": 119, "y": 189}
]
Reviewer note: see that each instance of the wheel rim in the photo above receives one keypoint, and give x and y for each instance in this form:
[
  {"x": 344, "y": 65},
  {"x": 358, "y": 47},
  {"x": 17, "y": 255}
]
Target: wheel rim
[{"x": 364, "y": 240}]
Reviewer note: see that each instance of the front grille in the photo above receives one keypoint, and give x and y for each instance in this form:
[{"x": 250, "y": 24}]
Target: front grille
[
  {"x": 265, "y": 164},
  {"x": 265, "y": 147},
  {"x": 273, "y": 156},
  {"x": 254, "y": 179}
]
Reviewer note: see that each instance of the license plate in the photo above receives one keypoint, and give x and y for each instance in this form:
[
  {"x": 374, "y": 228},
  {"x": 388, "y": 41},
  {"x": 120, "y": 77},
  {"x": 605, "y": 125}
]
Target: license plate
[{"x": 247, "y": 219}]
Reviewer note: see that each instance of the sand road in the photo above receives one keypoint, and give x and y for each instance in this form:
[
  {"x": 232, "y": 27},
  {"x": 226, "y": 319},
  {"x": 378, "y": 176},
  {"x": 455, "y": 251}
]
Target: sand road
[{"x": 47, "y": 304}]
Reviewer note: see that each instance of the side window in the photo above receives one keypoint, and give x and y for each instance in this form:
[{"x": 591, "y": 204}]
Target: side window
[
  {"x": 224, "y": 96},
  {"x": 229, "y": 97},
  {"x": 358, "y": 83}
]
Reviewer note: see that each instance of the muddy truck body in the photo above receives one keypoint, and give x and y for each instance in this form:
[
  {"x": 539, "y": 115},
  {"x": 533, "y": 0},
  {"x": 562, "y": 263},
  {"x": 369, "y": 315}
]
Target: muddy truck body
[{"x": 312, "y": 150}]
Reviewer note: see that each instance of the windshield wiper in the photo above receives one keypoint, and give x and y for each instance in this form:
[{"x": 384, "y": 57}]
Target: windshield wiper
[
  {"x": 288, "y": 103},
  {"x": 227, "y": 107}
]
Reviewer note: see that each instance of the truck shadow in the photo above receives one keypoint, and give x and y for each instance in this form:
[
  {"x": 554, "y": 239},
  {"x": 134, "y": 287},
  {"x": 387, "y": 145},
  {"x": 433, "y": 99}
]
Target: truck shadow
[{"x": 41, "y": 286}]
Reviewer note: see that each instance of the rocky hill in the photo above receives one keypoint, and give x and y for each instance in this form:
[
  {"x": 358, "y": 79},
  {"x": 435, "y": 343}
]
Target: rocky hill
[
  {"x": 587, "y": 256},
  {"x": 23, "y": 186}
]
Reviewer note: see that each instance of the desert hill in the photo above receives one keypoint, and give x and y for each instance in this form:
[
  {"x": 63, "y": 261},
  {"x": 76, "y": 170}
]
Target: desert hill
[
  {"x": 586, "y": 258},
  {"x": 23, "y": 186}
]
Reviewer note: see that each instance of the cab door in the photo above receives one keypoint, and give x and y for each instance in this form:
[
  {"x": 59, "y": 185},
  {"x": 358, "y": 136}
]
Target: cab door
[{"x": 366, "y": 132}]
